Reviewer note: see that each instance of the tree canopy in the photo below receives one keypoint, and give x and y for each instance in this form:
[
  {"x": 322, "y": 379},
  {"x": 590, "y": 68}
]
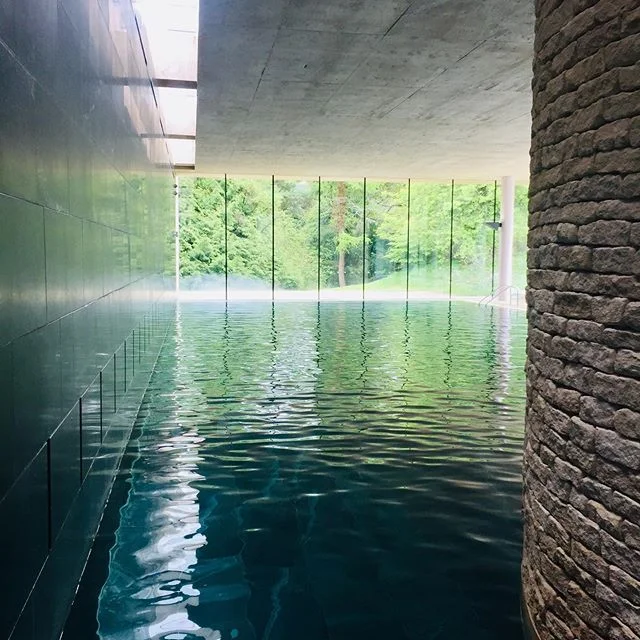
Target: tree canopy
[{"x": 330, "y": 220}]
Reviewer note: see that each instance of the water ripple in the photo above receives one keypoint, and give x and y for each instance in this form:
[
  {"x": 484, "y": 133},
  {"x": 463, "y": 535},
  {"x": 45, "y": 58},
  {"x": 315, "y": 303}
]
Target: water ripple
[{"x": 325, "y": 472}]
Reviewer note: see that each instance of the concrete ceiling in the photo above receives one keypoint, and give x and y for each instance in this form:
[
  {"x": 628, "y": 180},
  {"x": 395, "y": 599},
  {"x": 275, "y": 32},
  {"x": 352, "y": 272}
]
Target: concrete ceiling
[{"x": 427, "y": 89}]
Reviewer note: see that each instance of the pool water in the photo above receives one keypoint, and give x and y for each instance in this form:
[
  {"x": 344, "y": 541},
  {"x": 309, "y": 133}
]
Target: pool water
[{"x": 325, "y": 472}]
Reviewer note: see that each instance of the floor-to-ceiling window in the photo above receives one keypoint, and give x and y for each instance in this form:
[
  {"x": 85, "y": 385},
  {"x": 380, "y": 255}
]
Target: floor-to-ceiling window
[{"x": 277, "y": 237}]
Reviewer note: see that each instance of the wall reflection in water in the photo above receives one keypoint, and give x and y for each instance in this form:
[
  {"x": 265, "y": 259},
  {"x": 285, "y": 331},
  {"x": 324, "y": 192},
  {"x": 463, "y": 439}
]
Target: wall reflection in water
[{"x": 150, "y": 585}]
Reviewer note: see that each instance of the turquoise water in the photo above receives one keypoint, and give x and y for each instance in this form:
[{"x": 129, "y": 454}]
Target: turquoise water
[{"x": 341, "y": 471}]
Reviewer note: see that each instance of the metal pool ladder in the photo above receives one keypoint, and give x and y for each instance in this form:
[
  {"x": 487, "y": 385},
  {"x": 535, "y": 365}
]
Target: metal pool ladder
[{"x": 514, "y": 293}]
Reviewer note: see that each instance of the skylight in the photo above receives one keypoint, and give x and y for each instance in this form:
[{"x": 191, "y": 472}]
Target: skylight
[{"x": 171, "y": 34}]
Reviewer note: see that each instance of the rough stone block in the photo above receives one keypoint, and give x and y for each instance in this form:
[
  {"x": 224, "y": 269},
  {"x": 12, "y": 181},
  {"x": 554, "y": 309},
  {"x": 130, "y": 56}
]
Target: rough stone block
[
  {"x": 605, "y": 519},
  {"x": 617, "y": 390},
  {"x": 616, "y": 477},
  {"x": 627, "y": 363},
  {"x": 630, "y": 186},
  {"x": 558, "y": 628},
  {"x": 578, "y": 500},
  {"x": 564, "y": 348},
  {"x": 567, "y": 233},
  {"x": 625, "y": 506},
  {"x": 608, "y": 310},
  {"x": 615, "y": 448},
  {"x": 579, "y": 457},
  {"x": 621, "y": 339},
  {"x": 630, "y": 534},
  {"x": 614, "y": 233},
  {"x": 551, "y": 323},
  {"x": 573, "y": 258},
  {"x": 625, "y": 585},
  {"x": 624, "y": 53},
  {"x": 578, "y": 377},
  {"x": 545, "y": 279},
  {"x": 582, "y": 578},
  {"x": 567, "y": 471},
  {"x": 584, "y": 330},
  {"x": 589, "y": 561},
  {"x": 587, "y": 609},
  {"x": 596, "y": 356},
  {"x": 596, "y": 411},
  {"x": 613, "y": 285},
  {"x": 627, "y": 423},
  {"x": 618, "y": 554},
  {"x": 631, "y": 316},
  {"x": 594, "y": 490},
  {"x": 618, "y": 606},
  {"x": 629, "y": 78},
  {"x": 567, "y": 400},
  {"x": 541, "y": 300},
  {"x": 620, "y": 631},
  {"x": 614, "y": 260},
  {"x": 573, "y": 305},
  {"x": 581, "y": 527}
]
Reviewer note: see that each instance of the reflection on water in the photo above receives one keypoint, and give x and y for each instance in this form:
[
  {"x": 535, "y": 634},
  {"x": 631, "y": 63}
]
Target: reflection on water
[{"x": 326, "y": 471}]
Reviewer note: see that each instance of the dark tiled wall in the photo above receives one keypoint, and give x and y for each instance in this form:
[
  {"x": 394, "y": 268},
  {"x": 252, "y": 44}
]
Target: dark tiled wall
[{"x": 86, "y": 253}]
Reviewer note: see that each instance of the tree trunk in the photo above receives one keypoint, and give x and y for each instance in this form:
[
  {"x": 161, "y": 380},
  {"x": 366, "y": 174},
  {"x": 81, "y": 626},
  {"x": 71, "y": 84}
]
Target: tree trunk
[{"x": 340, "y": 212}]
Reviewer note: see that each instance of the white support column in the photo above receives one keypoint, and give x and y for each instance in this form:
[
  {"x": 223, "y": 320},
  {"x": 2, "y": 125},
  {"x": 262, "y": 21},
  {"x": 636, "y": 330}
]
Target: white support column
[
  {"x": 177, "y": 233},
  {"x": 505, "y": 273}
]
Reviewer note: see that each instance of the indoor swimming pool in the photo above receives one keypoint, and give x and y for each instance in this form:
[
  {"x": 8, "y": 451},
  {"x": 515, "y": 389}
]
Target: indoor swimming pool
[{"x": 333, "y": 471}]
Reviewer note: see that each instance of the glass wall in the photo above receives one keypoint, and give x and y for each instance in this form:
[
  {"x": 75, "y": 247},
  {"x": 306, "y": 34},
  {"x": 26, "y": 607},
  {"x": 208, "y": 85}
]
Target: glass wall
[
  {"x": 386, "y": 236},
  {"x": 249, "y": 236},
  {"x": 473, "y": 248},
  {"x": 266, "y": 237},
  {"x": 429, "y": 239},
  {"x": 296, "y": 234},
  {"x": 202, "y": 233},
  {"x": 341, "y": 218},
  {"x": 520, "y": 229}
]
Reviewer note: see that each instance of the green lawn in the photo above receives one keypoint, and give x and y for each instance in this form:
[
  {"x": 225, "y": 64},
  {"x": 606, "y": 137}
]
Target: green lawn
[{"x": 466, "y": 281}]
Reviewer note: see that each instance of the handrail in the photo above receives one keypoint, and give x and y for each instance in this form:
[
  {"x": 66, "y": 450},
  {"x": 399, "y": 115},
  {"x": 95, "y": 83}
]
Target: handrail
[{"x": 488, "y": 299}]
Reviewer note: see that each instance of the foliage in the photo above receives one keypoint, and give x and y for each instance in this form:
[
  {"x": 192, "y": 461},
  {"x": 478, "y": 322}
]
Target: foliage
[{"x": 342, "y": 240}]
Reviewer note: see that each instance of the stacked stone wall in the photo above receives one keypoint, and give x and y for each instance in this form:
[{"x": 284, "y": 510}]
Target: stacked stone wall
[{"x": 581, "y": 563}]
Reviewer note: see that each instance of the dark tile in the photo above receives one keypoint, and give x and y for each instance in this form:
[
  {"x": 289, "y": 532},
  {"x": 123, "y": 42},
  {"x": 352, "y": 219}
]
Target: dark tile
[
  {"x": 121, "y": 255},
  {"x": 120, "y": 360},
  {"x": 109, "y": 397},
  {"x": 80, "y": 176},
  {"x": 73, "y": 381},
  {"x": 37, "y": 390},
  {"x": 93, "y": 260},
  {"x": 7, "y": 474},
  {"x": 54, "y": 132},
  {"x": 18, "y": 156},
  {"x": 22, "y": 268},
  {"x": 108, "y": 258},
  {"x": 36, "y": 34},
  {"x": 69, "y": 81},
  {"x": 24, "y": 537},
  {"x": 65, "y": 468},
  {"x": 91, "y": 423},
  {"x": 63, "y": 242},
  {"x": 89, "y": 358},
  {"x": 78, "y": 13}
]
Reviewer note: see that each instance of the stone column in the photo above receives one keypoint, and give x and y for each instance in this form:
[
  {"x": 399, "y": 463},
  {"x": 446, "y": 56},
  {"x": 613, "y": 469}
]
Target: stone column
[
  {"x": 581, "y": 564},
  {"x": 505, "y": 273}
]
